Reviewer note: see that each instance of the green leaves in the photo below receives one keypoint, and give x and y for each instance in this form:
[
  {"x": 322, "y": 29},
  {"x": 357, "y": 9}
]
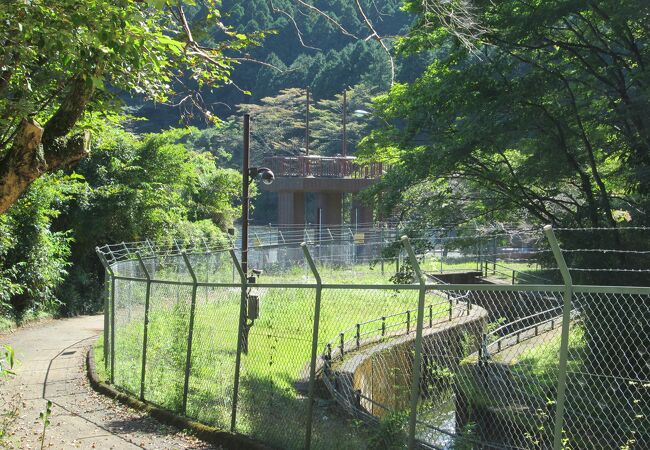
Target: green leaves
[
  {"x": 7, "y": 360},
  {"x": 158, "y": 4},
  {"x": 533, "y": 128},
  {"x": 98, "y": 82},
  {"x": 137, "y": 47},
  {"x": 44, "y": 417},
  {"x": 174, "y": 46}
]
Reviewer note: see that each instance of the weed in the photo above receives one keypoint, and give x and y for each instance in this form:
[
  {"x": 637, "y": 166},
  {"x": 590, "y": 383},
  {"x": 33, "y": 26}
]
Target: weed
[{"x": 44, "y": 416}]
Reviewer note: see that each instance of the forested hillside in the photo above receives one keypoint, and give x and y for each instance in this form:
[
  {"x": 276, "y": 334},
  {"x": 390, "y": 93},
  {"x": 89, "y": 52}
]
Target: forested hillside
[{"x": 303, "y": 50}]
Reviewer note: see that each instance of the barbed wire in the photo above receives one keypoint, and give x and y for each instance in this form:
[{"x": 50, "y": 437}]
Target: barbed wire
[
  {"x": 604, "y": 229},
  {"x": 601, "y": 250},
  {"x": 581, "y": 269}
]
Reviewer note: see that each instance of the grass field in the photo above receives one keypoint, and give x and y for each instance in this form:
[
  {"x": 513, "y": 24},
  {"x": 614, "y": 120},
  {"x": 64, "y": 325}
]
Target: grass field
[
  {"x": 279, "y": 342},
  {"x": 279, "y": 347}
]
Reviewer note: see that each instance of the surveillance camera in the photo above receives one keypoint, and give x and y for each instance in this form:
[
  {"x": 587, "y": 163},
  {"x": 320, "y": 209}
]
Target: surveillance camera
[{"x": 267, "y": 176}]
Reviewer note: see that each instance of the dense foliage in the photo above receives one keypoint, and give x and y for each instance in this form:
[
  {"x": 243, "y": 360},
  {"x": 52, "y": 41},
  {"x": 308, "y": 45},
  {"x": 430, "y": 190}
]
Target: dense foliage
[
  {"x": 34, "y": 258},
  {"x": 63, "y": 67},
  {"x": 62, "y": 63},
  {"x": 545, "y": 121},
  {"x": 302, "y": 50},
  {"x": 130, "y": 188}
]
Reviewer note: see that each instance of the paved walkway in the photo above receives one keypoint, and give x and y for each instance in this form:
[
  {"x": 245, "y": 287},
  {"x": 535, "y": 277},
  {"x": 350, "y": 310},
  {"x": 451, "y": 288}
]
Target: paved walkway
[
  {"x": 514, "y": 346},
  {"x": 52, "y": 367}
]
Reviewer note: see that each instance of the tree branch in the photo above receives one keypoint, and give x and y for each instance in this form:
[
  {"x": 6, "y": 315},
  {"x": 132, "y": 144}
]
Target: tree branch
[{"x": 379, "y": 39}]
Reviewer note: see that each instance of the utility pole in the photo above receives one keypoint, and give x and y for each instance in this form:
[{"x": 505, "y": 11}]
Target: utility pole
[
  {"x": 245, "y": 205},
  {"x": 345, "y": 120},
  {"x": 307, "y": 127}
]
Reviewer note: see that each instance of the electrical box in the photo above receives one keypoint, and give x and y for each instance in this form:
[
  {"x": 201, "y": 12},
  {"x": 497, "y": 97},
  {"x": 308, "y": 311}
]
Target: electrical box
[{"x": 253, "y": 307}]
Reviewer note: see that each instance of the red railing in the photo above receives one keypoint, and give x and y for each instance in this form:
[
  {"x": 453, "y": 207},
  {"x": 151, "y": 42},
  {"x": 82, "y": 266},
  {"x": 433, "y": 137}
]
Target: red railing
[{"x": 322, "y": 167}]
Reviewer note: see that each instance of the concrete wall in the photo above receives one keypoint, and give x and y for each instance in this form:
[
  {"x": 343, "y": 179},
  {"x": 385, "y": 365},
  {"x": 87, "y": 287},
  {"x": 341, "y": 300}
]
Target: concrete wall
[
  {"x": 383, "y": 372},
  {"x": 291, "y": 208}
]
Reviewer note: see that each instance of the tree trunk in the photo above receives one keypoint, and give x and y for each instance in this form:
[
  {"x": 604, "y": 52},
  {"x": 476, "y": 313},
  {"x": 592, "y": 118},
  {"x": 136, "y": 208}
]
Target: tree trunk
[
  {"x": 37, "y": 149},
  {"x": 26, "y": 161},
  {"x": 23, "y": 164}
]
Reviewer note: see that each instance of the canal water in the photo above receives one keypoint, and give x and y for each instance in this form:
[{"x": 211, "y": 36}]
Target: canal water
[{"x": 440, "y": 415}]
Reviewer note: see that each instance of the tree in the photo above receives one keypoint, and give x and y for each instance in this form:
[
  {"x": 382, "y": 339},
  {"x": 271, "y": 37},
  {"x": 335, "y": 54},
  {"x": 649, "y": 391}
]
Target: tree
[
  {"x": 63, "y": 60},
  {"x": 279, "y": 127},
  {"x": 152, "y": 187},
  {"x": 327, "y": 120},
  {"x": 34, "y": 258},
  {"x": 545, "y": 121},
  {"x": 545, "y": 118}
]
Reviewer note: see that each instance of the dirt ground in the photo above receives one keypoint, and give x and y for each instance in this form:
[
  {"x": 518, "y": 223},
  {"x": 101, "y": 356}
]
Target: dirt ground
[{"x": 51, "y": 366}]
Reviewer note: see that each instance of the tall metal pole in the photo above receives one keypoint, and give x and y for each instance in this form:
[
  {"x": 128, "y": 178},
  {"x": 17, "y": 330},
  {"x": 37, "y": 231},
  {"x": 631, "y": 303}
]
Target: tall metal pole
[
  {"x": 190, "y": 333},
  {"x": 240, "y": 336},
  {"x": 417, "y": 357},
  {"x": 145, "y": 334},
  {"x": 243, "y": 268},
  {"x": 307, "y": 126},
  {"x": 245, "y": 193},
  {"x": 344, "y": 146}
]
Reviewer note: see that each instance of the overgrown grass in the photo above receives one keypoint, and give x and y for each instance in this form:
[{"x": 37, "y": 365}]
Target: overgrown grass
[
  {"x": 540, "y": 362},
  {"x": 279, "y": 346},
  {"x": 601, "y": 412}
]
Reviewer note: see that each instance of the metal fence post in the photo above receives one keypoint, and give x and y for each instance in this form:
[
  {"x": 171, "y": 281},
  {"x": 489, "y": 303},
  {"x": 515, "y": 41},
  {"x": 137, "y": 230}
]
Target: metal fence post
[
  {"x": 153, "y": 252},
  {"x": 107, "y": 313},
  {"x": 146, "y": 325},
  {"x": 112, "y": 337},
  {"x": 417, "y": 360},
  {"x": 564, "y": 343},
  {"x": 208, "y": 255},
  {"x": 188, "y": 360},
  {"x": 240, "y": 336},
  {"x": 381, "y": 247},
  {"x": 353, "y": 246},
  {"x": 494, "y": 255},
  {"x": 314, "y": 345},
  {"x": 109, "y": 302}
]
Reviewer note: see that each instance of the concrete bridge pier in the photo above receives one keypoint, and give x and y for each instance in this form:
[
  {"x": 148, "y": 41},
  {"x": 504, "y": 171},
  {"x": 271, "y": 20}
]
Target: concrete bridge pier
[
  {"x": 360, "y": 213},
  {"x": 330, "y": 205},
  {"x": 291, "y": 214}
]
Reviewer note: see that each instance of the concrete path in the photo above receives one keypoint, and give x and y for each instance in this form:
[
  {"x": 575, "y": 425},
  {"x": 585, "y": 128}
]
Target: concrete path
[
  {"x": 514, "y": 345},
  {"x": 52, "y": 367}
]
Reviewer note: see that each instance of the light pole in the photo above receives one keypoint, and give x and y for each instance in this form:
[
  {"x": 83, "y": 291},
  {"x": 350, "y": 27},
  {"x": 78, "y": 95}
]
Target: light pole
[
  {"x": 344, "y": 146},
  {"x": 248, "y": 175},
  {"x": 307, "y": 126},
  {"x": 247, "y": 318}
]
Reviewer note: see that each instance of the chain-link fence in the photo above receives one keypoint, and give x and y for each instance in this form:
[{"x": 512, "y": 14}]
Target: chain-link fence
[{"x": 434, "y": 342}]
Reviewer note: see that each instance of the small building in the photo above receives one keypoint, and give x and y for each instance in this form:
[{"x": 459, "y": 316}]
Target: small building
[{"x": 329, "y": 178}]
